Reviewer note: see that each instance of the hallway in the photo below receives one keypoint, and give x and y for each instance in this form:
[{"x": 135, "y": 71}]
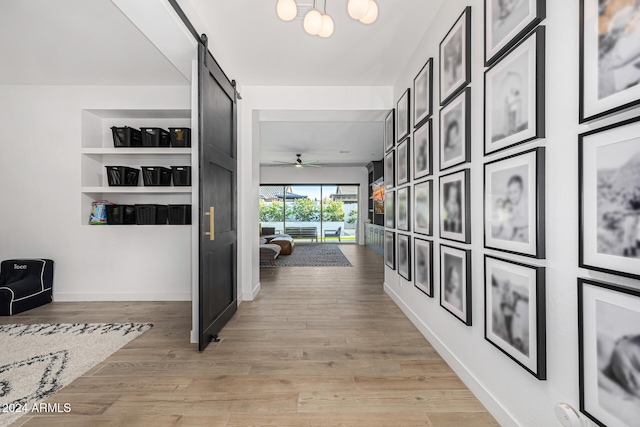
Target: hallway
[{"x": 318, "y": 347}]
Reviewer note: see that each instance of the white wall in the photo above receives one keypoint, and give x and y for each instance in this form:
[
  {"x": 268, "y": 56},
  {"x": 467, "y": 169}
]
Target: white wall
[
  {"x": 325, "y": 175},
  {"x": 514, "y": 396},
  {"x": 40, "y": 180}
]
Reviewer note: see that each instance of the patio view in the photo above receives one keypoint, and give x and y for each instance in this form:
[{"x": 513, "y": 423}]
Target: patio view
[{"x": 312, "y": 213}]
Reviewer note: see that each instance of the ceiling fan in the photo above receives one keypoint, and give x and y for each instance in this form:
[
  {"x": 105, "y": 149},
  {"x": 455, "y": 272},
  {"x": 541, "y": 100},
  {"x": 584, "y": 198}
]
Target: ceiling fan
[{"x": 300, "y": 164}]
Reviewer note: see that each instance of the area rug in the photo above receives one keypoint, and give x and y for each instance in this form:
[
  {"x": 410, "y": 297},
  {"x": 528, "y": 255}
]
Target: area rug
[
  {"x": 38, "y": 360},
  {"x": 312, "y": 255}
]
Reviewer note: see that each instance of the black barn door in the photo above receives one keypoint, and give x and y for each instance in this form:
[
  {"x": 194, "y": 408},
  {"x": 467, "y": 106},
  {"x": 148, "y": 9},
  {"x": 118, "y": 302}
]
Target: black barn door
[{"x": 218, "y": 200}]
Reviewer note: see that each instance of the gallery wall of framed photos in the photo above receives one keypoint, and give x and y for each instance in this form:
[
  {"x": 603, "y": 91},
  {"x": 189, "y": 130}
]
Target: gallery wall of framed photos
[{"x": 520, "y": 174}]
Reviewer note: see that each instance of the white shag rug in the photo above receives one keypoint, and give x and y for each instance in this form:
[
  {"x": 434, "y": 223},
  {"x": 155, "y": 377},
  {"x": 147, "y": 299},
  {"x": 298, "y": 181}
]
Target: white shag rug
[{"x": 38, "y": 360}]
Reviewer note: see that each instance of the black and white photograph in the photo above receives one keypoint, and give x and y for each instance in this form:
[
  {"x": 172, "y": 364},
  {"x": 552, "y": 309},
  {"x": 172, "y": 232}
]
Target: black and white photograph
[
  {"x": 404, "y": 256},
  {"x": 609, "y": 57},
  {"x": 514, "y": 95},
  {"x": 423, "y": 93},
  {"x": 423, "y": 271},
  {"x": 506, "y": 21},
  {"x": 403, "y": 209},
  {"x": 390, "y": 209},
  {"x": 402, "y": 112},
  {"x": 514, "y": 203},
  {"x": 455, "y": 131},
  {"x": 390, "y": 169},
  {"x": 610, "y": 199},
  {"x": 455, "y": 282},
  {"x": 609, "y": 336},
  {"x": 515, "y": 312},
  {"x": 422, "y": 150},
  {"x": 403, "y": 161},
  {"x": 389, "y": 128},
  {"x": 390, "y": 249},
  {"x": 455, "y": 221},
  {"x": 455, "y": 57},
  {"x": 423, "y": 208}
]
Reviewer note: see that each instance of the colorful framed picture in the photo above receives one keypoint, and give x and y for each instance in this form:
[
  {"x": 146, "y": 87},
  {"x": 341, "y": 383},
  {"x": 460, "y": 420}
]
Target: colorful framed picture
[
  {"x": 390, "y": 249},
  {"x": 390, "y": 209},
  {"x": 402, "y": 109},
  {"x": 455, "y": 57},
  {"x": 403, "y": 161},
  {"x": 455, "y": 131},
  {"x": 422, "y": 150},
  {"x": 389, "y": 130},
  {"x": 423, "y": 262},
  {"x": 423, "y": 208},
  {"x": 514, "y": 203},
  {"x": 390, "y": 169},
  {"x": 455, "y": 217},
  {"x": 514, "y": 307},
  {"x": 514, "y": 95},
  {"x": 609, "y": 199},
  {"x": 404, "y": 209},
  {"x": 506, "y": 22},
  {"x": 609, "y": 344},
  {"x": 423, "y": 93},
  {"x": 455, "y": 282},
  {"x": 609, "y": 57},
  {"x": 404, "y": 256}
]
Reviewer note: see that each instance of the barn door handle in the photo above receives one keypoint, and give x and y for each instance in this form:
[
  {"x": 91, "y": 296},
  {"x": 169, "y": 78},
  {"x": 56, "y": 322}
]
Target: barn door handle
[{"x": 211, "y": 233}]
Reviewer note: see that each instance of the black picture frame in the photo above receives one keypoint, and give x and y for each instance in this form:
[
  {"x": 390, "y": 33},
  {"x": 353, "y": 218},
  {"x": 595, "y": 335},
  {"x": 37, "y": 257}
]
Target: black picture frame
[
  {"x": 455, "y": 143},
  {"x": 518, "y": 290},
  {"x": 404, "y": 161},
  {"x": 451, "y": 43},
  {"x": 607, "y": 243},
  {"x": 423, "y": 150},
  {"x": 389, "y": 130},
  {"x": 390, "y": 249},
  {"x": 514, "y": 84},
  {"x": 518, "y": 27},
  {"x": 390, "y": 209},
  {"x": 390, "y": 169},
  {"x": 501, "y": 234},
  {"x": 459, "y": 228},
  {"x": 403, "y": 115},
  {"x": 403, "y": 217},
  {"x": 404, "y": 256},
  {"x": 608, "y": 320},
  {"x": 423, "y": 208},
  {"x": 616, "y": 94},
  {"x": 448, "y": 266},
  {"x": 423, "y": 102},
  {"x": 423, "y": 266}
]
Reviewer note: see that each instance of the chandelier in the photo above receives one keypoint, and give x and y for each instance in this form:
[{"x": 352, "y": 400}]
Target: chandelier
[{"x": 321, "y": 24}]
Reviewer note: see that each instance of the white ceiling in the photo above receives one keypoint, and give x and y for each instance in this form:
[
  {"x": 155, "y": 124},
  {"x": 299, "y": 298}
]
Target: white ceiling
[{"x": 77, "y": 42}]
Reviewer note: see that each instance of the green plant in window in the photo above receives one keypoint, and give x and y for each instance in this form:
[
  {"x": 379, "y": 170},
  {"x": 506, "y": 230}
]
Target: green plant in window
[
  {"x": 303, "y": 210},
  {"x": 271, "y": 211},
  {"x": 332, "y": 210}
]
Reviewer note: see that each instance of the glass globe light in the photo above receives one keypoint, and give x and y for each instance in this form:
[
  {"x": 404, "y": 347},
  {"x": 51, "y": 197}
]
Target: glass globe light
[
  {"x": 286, "y": 9},
  {"x": 372, "y": 14},
  {"x": 313, "y": 22},
  {"x": 358, "y": 8},
  {"x": 327, "y": 26}
]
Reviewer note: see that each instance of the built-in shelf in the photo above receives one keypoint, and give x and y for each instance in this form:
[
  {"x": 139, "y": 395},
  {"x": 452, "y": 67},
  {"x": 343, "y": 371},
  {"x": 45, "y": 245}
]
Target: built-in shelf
[
  {"x": 136, "y": 151},
  {"x": 140, "y": 190}
]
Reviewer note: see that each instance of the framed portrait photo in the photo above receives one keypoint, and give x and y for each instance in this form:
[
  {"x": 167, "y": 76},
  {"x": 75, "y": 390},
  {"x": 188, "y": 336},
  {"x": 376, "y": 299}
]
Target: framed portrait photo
[
  {"x": 389, "y": 130},
  {"x": 506, "y": 22},
  {"x": 610, "y": 199},
  {"x": 609, "y": 342},
  {"x": 423, "y": 93},
  {"x": 390, "y": 249},
  {"x": 402, "y": 110},
  {"x": 403, "y": 161},
  {"x": 514, "y": 203},
  {"x": 423, "y": 208},
  {"x": 455, "y": 217},
  {"x": 514, "y": 307},
  {"x": 390, "y": 169},
  {"x": 423, "y": 262},
  {"x": 455, "y": 57},
  {"x": 403, "y": 209},
  {"x": 422, "y": 150},
  {"x": 455, "y": 282},
  {"x": 404, "y": 256},
  {"x": 390, "y": 209},
  {"x": 455, "y": 131},
  {"x": 609, "y": 57},
  {"x": 514, "y": 95}
]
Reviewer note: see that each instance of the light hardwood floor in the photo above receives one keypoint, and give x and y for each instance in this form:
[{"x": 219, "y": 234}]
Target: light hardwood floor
[{"x": 319, "y": 347}]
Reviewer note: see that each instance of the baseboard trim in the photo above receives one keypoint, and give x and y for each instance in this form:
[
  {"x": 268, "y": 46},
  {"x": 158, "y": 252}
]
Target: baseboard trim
[
  {"x": 485, "y": 397},
  {"x": 250, "y": 296},
  {"x": 137, "y": 296}
]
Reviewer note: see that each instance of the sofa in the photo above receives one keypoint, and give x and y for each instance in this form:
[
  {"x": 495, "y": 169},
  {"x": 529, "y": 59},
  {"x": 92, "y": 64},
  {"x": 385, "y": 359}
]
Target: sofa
[{"x": 25, "y": 284}]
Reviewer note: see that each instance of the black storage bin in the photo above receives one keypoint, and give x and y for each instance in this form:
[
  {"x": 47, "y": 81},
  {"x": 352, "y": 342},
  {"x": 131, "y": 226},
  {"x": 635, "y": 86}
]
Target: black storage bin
[
  {"x": 181, "y": 176},
  {"x": 180, "y": 137},
  {"x": 122, "y": 176},
  {"x": 155, "y": 137},
  {"x": 179, "y": 214},
  {"x": 156, "y": 176},
  {"x": 126, "y": 137},
  {"x": 121, "y": 214},
  {"x": 151, "y": 214}
]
